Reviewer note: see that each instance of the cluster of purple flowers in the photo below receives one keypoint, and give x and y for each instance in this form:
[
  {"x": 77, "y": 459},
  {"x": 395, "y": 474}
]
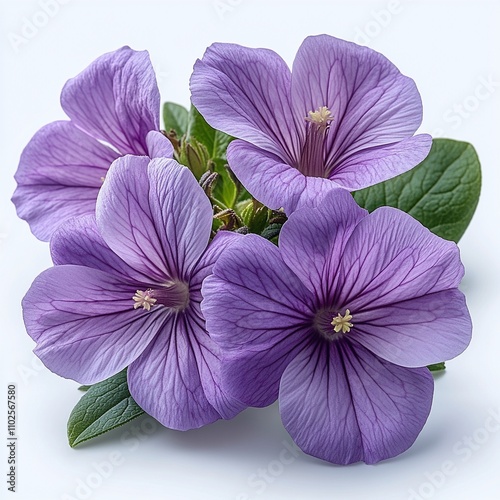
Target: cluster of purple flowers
[{"x": 338, "y": 321}]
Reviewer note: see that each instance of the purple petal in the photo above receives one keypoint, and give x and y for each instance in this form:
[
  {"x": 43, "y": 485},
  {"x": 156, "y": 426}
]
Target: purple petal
[
  {"x": 166, "y": 381},
  {"x": 372, "y": 103},
  {"x": 155, "y": 216},
  {"x": 246, "y": 93},
  {"x": 59, "y": 175},
  {"x": 416, "y": 332},
  {"x": 312, "y": 240},
  {"x": 209, "y": 362},
  {"x": 158, "y": 145},
  {"x": 269, "y": 320},
  {"x": 84, "y": 323},
  {"x": 115, "y": 99},
  {"x": 343, "y": 404},
  {"x": 272, "y": 182},
  {"x": 208, "y": 358},
  {"x": 78, "y": 242},
  {"x": 220, "y": 243},
  {"x": 390, "y": 257},
  {"x": 378, "y": 164}
]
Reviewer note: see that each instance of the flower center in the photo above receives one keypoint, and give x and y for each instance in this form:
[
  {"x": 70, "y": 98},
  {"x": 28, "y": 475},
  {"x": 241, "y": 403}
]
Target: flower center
[
  {"x": 144, "y": 299},
  {"x": 321, "y": 117},
  {"x": 331, "y": 324},
  {"x": 342, "y": 323},
  {"x": 312, "y": 159},
  {"x": 173, "y": 294}
]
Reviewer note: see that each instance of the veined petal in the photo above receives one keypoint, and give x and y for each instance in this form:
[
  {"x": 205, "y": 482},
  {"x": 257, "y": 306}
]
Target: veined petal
[
  {"x": 183, "y": 213},
  {"x": 61, "y": 154},
  {"x": 45, "y": 207},
  {"x": 390, "y": 257},
  {"x": 166, "y": 380},
  {"x": 84, "y": 323},
  {"x": 344, "y": 405},
  {"x": 272, "y": 182},
  {"x": 312, "y": 240},
  {"x": 270, "y": 319},
  {"x": 158, "y": 145},
  {"x": 115, "y": 99},
  {"x": 78, "y": 242},
  {"x": 155, "y": 216},
  {"x": 125, "y": 220},
  {"x": 220, "y": 243},
  {"x": 416, "y": 332},
  {"x": 59, "y": 175},
  {"x": 208, "y": 358},
  {"x": 371, "y": 102},
  {"x": 374, "y": 165},
  {"x": 246, "y": 93}
]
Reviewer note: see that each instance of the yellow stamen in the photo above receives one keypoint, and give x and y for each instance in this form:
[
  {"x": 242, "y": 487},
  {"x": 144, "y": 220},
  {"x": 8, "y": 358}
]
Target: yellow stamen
[
  {"x": 342, "y": 322},
  {"x": 321, "y": 117},
  {"x": 143, "y": 299}
]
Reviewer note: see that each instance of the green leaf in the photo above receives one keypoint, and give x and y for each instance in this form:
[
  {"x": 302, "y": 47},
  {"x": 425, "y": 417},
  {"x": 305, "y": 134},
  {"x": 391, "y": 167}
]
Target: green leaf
[
  {"x": 437, "y": 367},
  {"x": 442, "y": 192},
  {"x": 175, "y": 117},
  {"x": 214, "y": 140},
  {"x": 103, "y": 407}
]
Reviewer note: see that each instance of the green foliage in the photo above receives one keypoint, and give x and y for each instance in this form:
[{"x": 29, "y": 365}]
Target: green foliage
[
  {"x": 175, "y": 117},
  {"x": 442, "y": 192},
  {"x": 103, "y": 407},
  {"x": 438, "y": 367}
]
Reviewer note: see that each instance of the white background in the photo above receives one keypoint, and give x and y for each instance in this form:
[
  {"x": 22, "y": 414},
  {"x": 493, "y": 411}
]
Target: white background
[{"x": 449, "y": 48}]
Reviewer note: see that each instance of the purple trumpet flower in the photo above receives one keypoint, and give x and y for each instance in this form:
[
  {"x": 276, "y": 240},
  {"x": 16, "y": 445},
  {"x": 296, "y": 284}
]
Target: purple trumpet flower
[
  {"x": 344, "y": 117},
  {"x": 340, "y": 321},
  {"x": 114, "y": 107},
  {"x": 126, "y": 291}
]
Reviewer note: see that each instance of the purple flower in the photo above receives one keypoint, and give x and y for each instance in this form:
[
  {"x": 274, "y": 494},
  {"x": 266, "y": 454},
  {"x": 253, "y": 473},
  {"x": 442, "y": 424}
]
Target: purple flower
[
  {"x": 114, "y": 107},
  {"x": 344, "y": 117},
  {"x": 126, "y": 291},
  {"x": 341, "y": 321}
]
